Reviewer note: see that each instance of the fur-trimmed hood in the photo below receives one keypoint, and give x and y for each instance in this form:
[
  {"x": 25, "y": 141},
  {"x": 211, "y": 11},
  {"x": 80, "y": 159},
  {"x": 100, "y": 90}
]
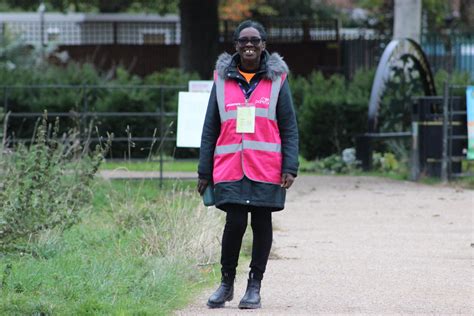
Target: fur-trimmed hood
[{"x": 272, "y": 64}]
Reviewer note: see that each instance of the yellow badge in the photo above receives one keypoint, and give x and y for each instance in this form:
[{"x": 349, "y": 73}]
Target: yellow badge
[{"x": 245, "y": 119}]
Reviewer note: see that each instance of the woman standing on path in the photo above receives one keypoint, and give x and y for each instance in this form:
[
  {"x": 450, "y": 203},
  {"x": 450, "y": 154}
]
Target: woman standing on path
[{"x": 249, "y": 151}]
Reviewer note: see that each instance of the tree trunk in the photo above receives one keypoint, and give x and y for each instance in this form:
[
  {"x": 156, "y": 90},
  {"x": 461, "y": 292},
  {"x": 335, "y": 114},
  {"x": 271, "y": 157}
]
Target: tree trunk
[{"x": 199, "y": 36}]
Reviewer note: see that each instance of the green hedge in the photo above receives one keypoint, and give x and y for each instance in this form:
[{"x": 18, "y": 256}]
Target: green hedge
[
  {"x": 139, "y": 97},
  {"x": 457, "y": 78},
  {"x": 330, "y": 111}
]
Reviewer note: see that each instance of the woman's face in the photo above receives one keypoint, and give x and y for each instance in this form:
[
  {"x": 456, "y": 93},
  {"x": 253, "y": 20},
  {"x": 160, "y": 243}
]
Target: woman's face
[{"x": 250, "y": 45}]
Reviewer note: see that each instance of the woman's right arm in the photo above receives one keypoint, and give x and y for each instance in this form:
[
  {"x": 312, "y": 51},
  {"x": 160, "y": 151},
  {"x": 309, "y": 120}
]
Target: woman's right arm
[{"x": 210, "y": 133}]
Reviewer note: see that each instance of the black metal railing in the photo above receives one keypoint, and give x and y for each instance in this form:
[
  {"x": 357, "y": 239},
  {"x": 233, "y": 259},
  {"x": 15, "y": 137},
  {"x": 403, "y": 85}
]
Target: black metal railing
[
  {"x": 453, "y": 52},
  {"x": 82, "y": 103},
  {"x": 288, "y": 30},
  {"x": 92, "y": 119},
  {"x": 438, "y": 136}
]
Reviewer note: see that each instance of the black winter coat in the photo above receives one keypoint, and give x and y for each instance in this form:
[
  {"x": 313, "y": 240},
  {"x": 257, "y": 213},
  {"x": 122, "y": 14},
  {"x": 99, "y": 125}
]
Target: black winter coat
[{"x": 245, "y": 191}]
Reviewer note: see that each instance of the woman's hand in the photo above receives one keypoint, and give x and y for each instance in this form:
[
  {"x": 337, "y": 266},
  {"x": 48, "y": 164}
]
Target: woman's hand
[
  {"x": 202, "y": 185},
  {"x": 287, "y": 180}
]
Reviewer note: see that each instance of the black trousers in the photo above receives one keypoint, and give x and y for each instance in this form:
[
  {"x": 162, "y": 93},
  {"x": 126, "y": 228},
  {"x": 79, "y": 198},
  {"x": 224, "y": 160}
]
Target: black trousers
[{"x": 235, "y": 226}]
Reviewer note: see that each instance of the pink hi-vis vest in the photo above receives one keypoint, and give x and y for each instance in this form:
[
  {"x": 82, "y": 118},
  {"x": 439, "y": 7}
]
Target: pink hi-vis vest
[{"x": 256, "y": 155}]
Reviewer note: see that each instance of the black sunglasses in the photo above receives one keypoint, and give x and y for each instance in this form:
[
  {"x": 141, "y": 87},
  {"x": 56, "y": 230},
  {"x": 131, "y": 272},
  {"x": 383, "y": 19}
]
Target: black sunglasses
[{"x": 253, "y": 40}]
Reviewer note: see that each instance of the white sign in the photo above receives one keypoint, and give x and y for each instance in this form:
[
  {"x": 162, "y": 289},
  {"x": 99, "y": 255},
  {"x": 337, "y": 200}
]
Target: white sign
[
  {"x": 192, "y": 108},
  {"x": 200, "y": 85}
]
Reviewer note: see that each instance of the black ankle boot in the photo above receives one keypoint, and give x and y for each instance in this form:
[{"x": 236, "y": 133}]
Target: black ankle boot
[
  {"x": 224, "y": 293},
  {"x": 251, "y": 298}
]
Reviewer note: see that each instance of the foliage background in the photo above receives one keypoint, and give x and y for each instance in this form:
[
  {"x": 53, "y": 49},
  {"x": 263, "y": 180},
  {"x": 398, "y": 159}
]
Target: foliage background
[{"x": 331, "y": 111}]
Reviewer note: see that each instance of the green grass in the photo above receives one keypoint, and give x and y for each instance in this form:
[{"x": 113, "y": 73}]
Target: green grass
[
  {"x": 176, "y": 165},
  {"x": 136, "y": 188},
  {"x": 116, "y": 262},
  {"x": 92, "y": 274}
]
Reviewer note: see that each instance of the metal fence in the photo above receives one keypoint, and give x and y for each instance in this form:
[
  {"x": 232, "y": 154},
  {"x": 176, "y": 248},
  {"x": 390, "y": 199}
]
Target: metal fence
[
  {"x": 286, "y": 30},
  {"x": 438, "y": 137},
  {"x": 136, "y": 114},
  {"x": 90, "y": 29},
  {"x": 101, "y": 29},
  {"x": 360, "y": 54},
  {"x": 454, "y": 135},
  {"x": 359, "y": 47},
  {"x": 440, "y": 129},
  {"x": 454, "y": 52}
]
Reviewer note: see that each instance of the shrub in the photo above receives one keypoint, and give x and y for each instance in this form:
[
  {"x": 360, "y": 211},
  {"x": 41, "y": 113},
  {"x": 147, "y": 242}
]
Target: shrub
[
  {"x": 457, "y": 78},
  {"x": 299, "y": 85},
  {"x": 44, "y": 186},
  {"x": 143, "y": 251},
  {"x": 331, "y": 112},
  {"x": 387, "y": 163},
  {"x": 141, "y": 96},
  {"x": 333, "y": 164},
  {"x": 22, "y": 67},
  {"x": 141, "y": 99}
]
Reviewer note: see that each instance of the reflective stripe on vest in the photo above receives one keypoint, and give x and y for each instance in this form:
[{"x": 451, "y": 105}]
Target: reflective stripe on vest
[
  {"x": 247, "y": 144},
  {"x": 269, "y": 113}
]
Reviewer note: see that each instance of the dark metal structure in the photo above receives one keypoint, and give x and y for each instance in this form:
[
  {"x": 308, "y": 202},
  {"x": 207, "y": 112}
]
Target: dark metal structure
[
  {"x": 429, "y": 115},
  {"x": 397, "y": 50}
]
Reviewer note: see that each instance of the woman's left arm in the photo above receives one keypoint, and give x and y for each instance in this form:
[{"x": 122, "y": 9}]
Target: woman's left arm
[{"x": 288, "y": 127}]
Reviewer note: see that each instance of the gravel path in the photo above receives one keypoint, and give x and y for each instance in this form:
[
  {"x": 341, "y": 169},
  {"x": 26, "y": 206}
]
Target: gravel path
[{"x": 360, "y": 245}]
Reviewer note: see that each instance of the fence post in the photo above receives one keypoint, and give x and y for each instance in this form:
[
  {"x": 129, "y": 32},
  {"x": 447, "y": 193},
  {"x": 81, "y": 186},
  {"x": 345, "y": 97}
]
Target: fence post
[
  {"x": 3, "y": 138},
  {"x": 3, "y": 26},
  {"x": 364, "y": 151},
  {"x": 337, "y": 25},
  {"x": 114, "y": 31},
  {"x": 415, "y": 147},
  {"x": 305, "y": 26},
  {"x": 444, "y": 157},
  {"x": 415, "y": 153},
  {"x": 85, "y": 109},
  {"x": 6, "y": 115},
  {"x": 5, "y": 99},
  {"x": 162, "y": 141},
  {"x": 226, "y": 31}
]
